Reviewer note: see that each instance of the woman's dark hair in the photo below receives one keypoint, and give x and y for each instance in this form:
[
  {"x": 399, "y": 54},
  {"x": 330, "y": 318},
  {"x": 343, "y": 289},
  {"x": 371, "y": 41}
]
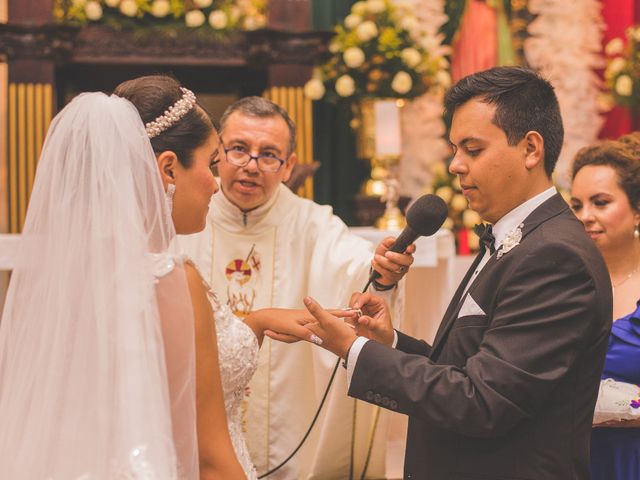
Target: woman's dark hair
[
  {"x": 623, "y": 155},
  {"x": 152, "y": 95}
]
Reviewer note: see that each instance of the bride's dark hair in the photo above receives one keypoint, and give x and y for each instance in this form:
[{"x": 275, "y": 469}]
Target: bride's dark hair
[{"x": 152, "y": 95}]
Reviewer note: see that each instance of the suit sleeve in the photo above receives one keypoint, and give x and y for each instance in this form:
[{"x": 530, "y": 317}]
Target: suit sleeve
[
  {"x": 409, "y": 344},
  {"x": 539, "y": 325}
]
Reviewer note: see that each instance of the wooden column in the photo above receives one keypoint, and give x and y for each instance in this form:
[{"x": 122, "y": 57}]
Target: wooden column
[
  {"x": 4, "y": 197},
  {"x": 286, "y": 81},
  {"x": 29, "y": 109},
  {"x": 4, "y": 95}
]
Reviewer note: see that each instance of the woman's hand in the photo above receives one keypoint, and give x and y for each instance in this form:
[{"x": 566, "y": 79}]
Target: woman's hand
[{"x": 375, "y": 322}]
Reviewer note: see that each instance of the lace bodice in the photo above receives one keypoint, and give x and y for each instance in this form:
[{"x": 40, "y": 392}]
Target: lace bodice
[
  {"x": 238, "y": 359},
  {"x": 238, "y": 354}
]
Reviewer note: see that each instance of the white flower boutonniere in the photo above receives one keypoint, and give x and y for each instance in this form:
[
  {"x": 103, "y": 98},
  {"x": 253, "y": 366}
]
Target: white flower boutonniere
[{"x": 511, "y": 240}]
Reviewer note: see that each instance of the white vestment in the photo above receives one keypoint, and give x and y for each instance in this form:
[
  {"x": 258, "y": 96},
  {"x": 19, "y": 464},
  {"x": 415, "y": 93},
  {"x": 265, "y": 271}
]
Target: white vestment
[{"x": 274, "y": 256}]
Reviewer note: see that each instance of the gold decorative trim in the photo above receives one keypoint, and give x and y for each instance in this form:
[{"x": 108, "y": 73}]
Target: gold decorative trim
[
  {"x": 293, "y": 100},
  {"x": 22, "y": 154},
  {"x": 4, "y": 151},
  {"x": 30, "y": 112},
  {"x": 13, "y": 159},
  {"x": 353, "y": 439},
  {"x": 370, "y": 441}
]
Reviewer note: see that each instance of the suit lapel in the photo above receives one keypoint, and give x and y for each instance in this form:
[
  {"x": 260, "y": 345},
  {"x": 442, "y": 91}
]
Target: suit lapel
[{"x": 550, "y": 208}]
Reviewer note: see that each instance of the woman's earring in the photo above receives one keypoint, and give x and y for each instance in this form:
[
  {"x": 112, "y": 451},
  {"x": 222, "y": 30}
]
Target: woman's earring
[
  {"x": 171, "y": 190},
  {"x": 636, "y": 232}
]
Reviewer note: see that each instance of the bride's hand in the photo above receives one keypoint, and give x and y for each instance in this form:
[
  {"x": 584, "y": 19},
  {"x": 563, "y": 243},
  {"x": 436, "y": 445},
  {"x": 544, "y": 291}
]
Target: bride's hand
[{"x": 286, "y": 325}]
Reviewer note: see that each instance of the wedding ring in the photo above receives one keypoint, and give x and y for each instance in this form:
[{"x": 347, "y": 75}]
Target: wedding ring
[
  {"x": 315, "y": 339},
  {"x": 356, "y": 310},
  {"x": 402, "y": 269}
]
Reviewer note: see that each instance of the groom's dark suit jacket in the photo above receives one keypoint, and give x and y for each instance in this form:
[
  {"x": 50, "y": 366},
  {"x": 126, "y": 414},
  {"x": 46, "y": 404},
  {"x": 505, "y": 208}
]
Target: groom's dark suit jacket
[{"x": 508, "y": 393}]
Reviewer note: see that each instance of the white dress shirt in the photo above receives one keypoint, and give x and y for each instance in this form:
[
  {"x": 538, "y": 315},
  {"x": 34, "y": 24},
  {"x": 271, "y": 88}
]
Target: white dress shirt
[{"x": 500, "y": 230}]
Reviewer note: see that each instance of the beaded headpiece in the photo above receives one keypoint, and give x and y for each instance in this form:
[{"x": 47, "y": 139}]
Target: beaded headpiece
[{"x": 172, "y": 114}]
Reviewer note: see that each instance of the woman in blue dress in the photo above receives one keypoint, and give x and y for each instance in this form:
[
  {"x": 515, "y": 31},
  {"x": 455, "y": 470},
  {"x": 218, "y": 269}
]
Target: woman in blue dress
[{"x": 605, "y": 196}]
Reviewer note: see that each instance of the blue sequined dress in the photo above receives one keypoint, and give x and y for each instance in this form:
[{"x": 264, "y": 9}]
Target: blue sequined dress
[{"x": 615, "y": 452}]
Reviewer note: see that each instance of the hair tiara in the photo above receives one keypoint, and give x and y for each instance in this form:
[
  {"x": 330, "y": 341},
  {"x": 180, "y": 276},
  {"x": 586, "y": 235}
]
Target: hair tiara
[{"x": 172, "y": 114}]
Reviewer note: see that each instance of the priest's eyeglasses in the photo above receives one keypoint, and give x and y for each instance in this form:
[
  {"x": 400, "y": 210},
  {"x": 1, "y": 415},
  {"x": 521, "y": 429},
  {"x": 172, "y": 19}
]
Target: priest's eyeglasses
[{"x": 267, "y": 162}]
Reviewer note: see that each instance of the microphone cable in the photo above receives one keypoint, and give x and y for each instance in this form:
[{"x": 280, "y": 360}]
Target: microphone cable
[
  {"x": 313, "y": 422},
  {"x": 315, "y": 417}
]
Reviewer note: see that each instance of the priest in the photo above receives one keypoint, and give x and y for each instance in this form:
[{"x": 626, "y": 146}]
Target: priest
[{"x": 264, "y": 246}]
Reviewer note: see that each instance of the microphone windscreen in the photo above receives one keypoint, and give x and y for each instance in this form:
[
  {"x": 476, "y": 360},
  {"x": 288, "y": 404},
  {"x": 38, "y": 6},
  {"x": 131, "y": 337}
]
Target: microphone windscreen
[{"x": 427, "y": 214}]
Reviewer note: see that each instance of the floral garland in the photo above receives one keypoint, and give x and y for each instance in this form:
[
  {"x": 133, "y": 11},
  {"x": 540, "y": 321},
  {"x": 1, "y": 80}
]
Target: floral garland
[
  {"x": 219, "y": 15},
  {"x": 622, "y": 75},
  {"x": 565, "y": 46},
  {"x": 423, "y": 128},
  {"x": 378, "y": 52}
]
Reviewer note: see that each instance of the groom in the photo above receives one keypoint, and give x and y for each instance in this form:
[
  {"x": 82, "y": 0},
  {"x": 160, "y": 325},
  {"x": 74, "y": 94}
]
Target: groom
[{"x": 508, "y": 388}]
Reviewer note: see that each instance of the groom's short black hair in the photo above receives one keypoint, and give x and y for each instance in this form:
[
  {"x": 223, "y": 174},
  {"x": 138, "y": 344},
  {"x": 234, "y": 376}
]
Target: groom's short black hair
[{"x": 524, "y": 102}]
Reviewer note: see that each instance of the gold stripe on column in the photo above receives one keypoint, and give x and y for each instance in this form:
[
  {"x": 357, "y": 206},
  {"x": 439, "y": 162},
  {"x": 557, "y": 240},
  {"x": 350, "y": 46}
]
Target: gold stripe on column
[
  {"x": 13, "y": 159},
  {"x": 292, "y": 99},
  {"x": 47, "y": 100},
  {"x": 31, "y": 138},
  {"x": 308, "y": 135},
  {"x": 30, "y": 112},
  {"x": 39, "y": 118},
  {"x": 4, "y": 151},
  {"x": 22, "y": 153}
]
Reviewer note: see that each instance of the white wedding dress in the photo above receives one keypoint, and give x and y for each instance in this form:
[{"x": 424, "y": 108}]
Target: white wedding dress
[{"x": 238, "y": 359}]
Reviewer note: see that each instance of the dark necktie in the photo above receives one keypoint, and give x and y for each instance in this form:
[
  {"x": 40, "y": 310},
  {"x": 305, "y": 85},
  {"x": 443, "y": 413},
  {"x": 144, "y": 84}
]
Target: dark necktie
[{"x": 485, "y": 232}]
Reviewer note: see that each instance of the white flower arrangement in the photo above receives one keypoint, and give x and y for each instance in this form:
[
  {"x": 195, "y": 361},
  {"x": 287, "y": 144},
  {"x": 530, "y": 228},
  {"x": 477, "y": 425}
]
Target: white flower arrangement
[
  {"x": 219, "y": 15},
  {"x": 622, "y": 75},
  {"x": 378, "y": 52}
]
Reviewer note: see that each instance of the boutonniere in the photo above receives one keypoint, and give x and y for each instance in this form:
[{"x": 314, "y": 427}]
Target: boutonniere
[{"x": 511, "y": 240}]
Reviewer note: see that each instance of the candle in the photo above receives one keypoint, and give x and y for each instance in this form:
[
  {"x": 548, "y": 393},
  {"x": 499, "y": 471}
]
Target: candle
[{"x": 387, "y": 120}]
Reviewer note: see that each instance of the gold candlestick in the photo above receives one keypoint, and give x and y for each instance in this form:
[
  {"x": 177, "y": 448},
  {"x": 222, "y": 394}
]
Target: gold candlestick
[{"x": 383, "y": 181}]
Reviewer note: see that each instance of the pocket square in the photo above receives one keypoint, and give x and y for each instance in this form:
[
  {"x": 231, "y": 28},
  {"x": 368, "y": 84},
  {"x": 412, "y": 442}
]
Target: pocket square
[{"x": 470, "y": 307}]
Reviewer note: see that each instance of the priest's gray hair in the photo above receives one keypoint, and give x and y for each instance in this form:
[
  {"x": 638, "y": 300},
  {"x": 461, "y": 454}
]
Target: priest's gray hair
[{"x": 262, "y": 108}]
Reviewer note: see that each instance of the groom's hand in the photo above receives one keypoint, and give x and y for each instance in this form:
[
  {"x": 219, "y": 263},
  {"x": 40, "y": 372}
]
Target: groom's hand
[
  {"x": 375, "y": 322},
  {"x": 331, "y": 332}
]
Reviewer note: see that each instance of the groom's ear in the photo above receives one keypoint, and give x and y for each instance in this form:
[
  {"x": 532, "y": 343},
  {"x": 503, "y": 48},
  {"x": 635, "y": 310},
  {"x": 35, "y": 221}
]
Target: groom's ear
[{"x": 167, "y": 164}]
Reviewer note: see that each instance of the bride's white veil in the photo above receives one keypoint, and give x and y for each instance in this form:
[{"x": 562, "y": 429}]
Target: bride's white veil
[{"x": 88, "y": 381}]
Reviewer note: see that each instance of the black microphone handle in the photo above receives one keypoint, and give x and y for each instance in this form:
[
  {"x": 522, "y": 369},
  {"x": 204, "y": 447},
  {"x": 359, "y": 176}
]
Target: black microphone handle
[{"x": 406, "y": 238}]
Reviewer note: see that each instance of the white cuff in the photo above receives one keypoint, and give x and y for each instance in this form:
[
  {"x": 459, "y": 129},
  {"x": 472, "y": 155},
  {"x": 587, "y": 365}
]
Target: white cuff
[
  {"x": 352, "y": 358},
  {"x": 395, "y": 339}
]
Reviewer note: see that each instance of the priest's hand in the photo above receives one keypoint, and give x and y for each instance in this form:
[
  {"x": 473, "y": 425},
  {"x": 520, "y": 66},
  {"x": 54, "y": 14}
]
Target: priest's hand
[
  {"x": 330, "y": 332},
  {"x": 375, "y": 321},
  {"x": 391, "y": 266}
]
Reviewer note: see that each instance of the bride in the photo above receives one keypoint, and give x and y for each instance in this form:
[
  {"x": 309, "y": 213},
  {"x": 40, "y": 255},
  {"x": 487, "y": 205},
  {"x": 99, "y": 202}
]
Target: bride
[{"x": 109, "y": 363}]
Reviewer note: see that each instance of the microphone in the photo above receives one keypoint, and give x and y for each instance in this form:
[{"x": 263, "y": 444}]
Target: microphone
[{"x": 425, "y": 216}]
